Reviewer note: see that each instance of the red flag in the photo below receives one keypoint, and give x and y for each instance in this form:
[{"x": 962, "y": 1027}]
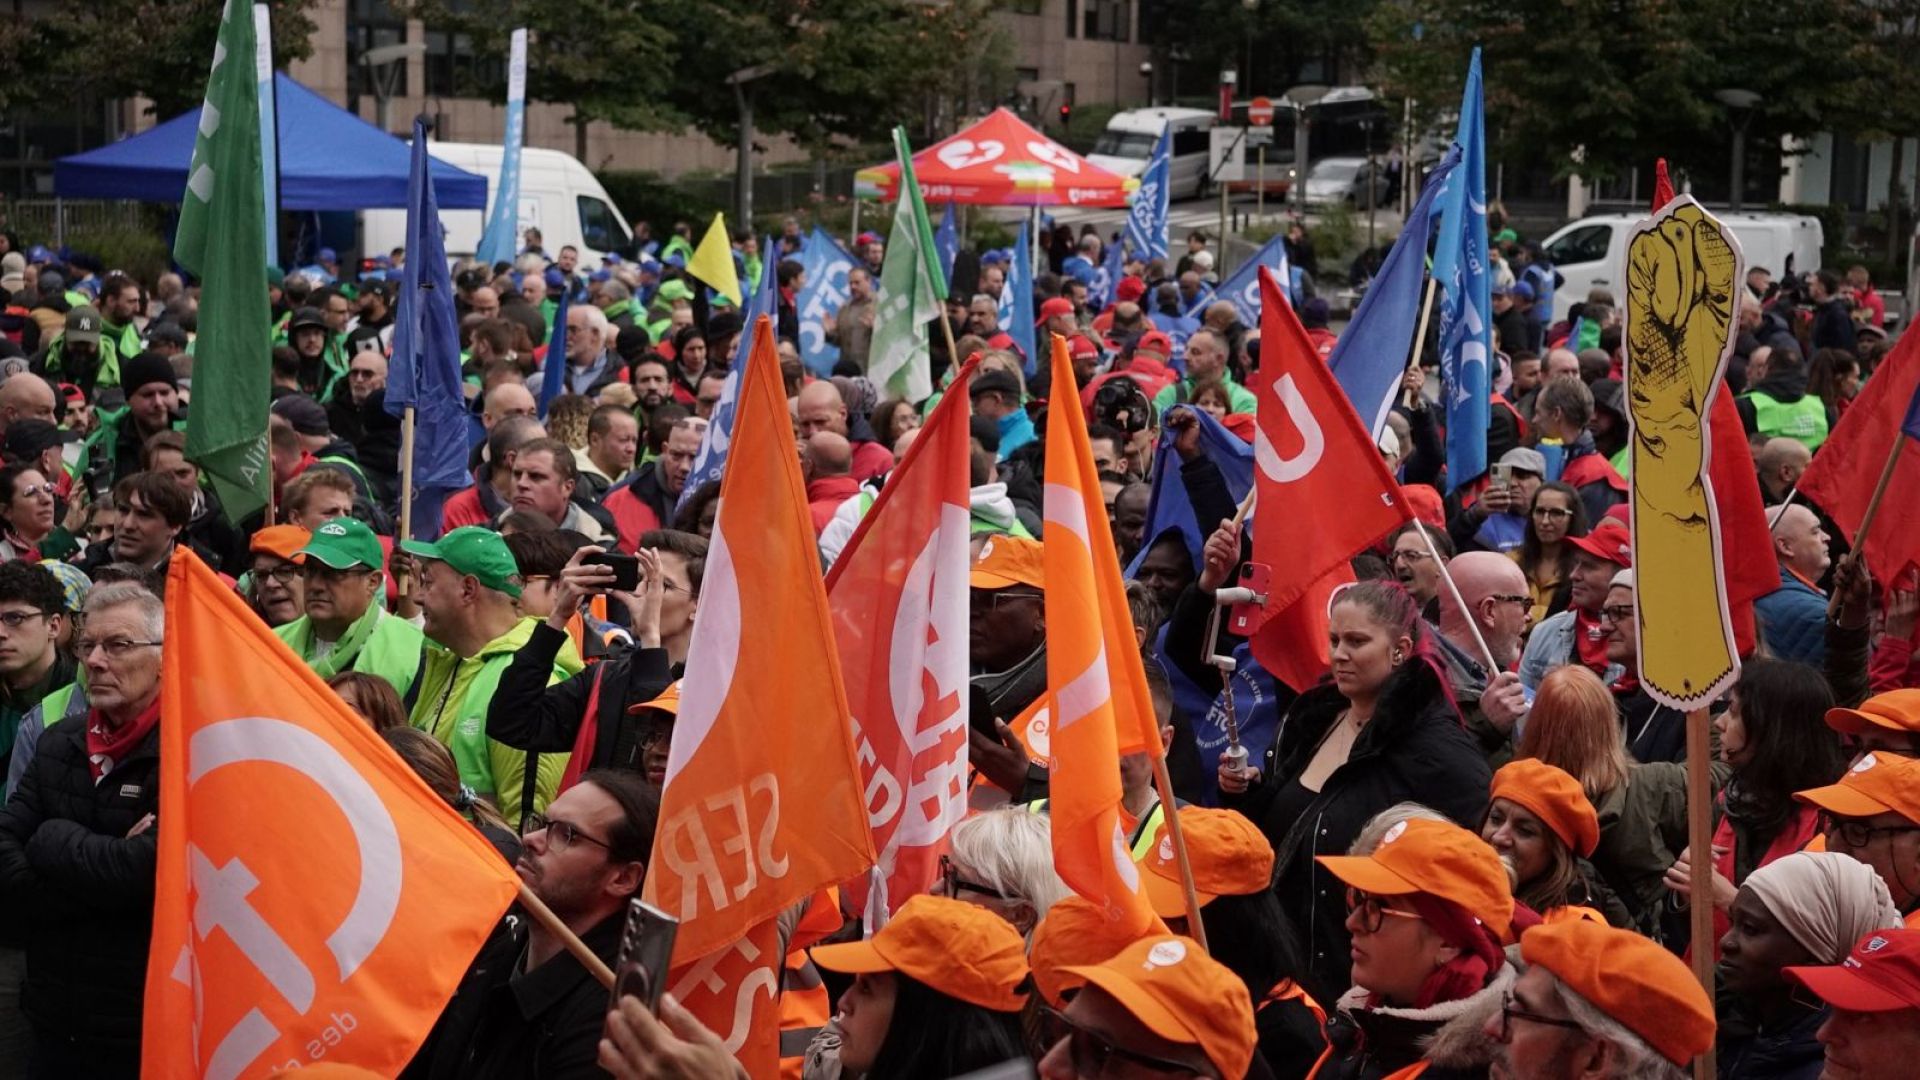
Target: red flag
[
  {"x": 1324, "y": 490},
  {"x": 1662, "y": 185},
  {"x": 1844, "y": 472},
  {"x": 762, "y": 803},
  {"x": 1746, "y": 545},
  {"x": 899, "y": 600}
]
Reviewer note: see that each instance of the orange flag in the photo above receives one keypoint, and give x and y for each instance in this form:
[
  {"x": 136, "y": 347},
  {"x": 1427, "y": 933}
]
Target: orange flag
[
  {"x": 899, "y": 596},
  {"x": 314, "y": 900},
  {"x": 762, "y": 805},
  {"x": 1096, "y": 686}
]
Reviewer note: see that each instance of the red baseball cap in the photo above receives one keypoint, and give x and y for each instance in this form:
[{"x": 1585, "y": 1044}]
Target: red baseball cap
[
  {"x": 1610, "y": 540},
  {"x": 1080, "y": 345},
  {"x": 1059, "y": 305},
  {"x": 1155, "y": 342},
  {"x": 1129, "y": 289},
  {"x": 1881, "y": 974}
]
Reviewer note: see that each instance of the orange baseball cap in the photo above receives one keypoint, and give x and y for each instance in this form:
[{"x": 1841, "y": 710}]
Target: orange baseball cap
[
  {"x": 1074, "y": 931},
  {"x": 1551, "y": 794},
  {"x": 1879, "y": 783},
  {"x": 1637, "y": 983},
  {"x": 1227, "y": 852},
  {"x": 1437, "y": 858},
  {"x": 961, "y": 950},
  {"x": 1181, "y": 994},
  {"x": 667, "y": 702},
  {"x": 1006, "y": 561},
  {"x": 1881, "y": 974},
  {"x": 1895, "y": 710},
  {"x": 282, "y": 540}
]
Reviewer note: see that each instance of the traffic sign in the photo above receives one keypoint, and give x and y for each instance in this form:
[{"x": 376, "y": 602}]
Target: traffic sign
[
  {"x": 1260, "y": 112},
  {"x": 1260, "y": 136}
]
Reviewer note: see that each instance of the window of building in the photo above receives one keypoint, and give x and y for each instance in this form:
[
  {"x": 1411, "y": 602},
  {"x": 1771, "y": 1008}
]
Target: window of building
[
  {"x": 1106, "y": 20},
  {"x": 372, "y": 24},
  {"x": 1073, "y": 17},
  {"x": 453, "y": 69}
]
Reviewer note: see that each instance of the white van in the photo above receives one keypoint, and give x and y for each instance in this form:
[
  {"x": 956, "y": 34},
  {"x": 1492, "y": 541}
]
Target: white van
[
  {"x": 1127, "y": 146},
  {"x": 1592, "y": 252},
  {"x": 558, "y": 195}
]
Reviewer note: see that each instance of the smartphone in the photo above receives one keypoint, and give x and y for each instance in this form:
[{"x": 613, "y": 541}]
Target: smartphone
[
  {"x": 646, "y": 950},
  {"x": 1503, "y": 475},
  {"x": 626, "y": 568},
  {"x": 1241, "y": 617}
]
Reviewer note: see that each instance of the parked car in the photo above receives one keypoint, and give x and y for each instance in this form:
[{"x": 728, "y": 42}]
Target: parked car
[{"x": 1126, "y": 146}]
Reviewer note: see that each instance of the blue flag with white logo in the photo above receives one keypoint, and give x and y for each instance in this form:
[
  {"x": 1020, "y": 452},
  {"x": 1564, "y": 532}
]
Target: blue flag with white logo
[
  {"x": 1371, "y": 357},
  {"x": 1242, "y": 289},
  {"x": 1169, "y": 506},
  {"x": 1016, "y": 302},
  {"x": 553, "y": 377},
  {"x": 1107, "y": 278},
  {"x": 826, "y": 263},
  {"x": 1147, "y": 217},
  {"x": 711, "y": 461},
  {"x": 946, "y": 242},
  {"x": 1460, "y": 266},
  {"x": 502, "y": 239}
]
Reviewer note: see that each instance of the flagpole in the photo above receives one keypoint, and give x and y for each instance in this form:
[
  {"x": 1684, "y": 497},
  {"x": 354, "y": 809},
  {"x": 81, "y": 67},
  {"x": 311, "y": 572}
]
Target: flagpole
[
  {"x": 1196, "y": 929},
  {"x": 1420, "y": 337},
  {"x": 403, "y": 582},
  {"x": 544, "y": 915},
  {"x": 1700, "y": 852},
  {"x": 1493, "y": 666}
]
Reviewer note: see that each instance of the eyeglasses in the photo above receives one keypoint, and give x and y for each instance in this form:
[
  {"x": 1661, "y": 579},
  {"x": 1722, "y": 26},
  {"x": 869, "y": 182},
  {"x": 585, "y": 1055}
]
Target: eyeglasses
[
  {"x": 1508, "y": 1011},
  {"x": 562, "y": 834},
  {"x": 14, "y": 620},
  {"x": 1858, "y": 834},
  {"x": 362, "y": 373},
  {"x": 1092, "y": 1053},
  {"x": 1618, "y": 613},
  {"x": 991, "y": 601},
  {"x": 1512, "y": 599},
  {"x": 1409, "y": 556},
  {"x": 952, "y": 882},
  {"x": 36, "y": 489},
  {"x": 285, "y": 573},
  {"x": 115, "y": 647},
  {"x": 1373, "y": 910},
  {"x": 1551, "y": 513}
]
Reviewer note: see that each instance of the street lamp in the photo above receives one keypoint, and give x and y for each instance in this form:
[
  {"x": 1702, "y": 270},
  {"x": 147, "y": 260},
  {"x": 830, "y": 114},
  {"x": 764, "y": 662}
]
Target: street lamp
[
  {"x": 1741, "y": 103},
  {"x": 743, "y": 166},
  {"x": 1146, "y": 72},
  {"x": 383, "y": 67}
]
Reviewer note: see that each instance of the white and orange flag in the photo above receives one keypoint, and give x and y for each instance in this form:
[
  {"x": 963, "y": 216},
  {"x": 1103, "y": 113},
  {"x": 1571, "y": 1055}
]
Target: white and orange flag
[
  {"x": 899, "y": 596},
  {"x": 315, "y": 901},
  {"x": 1096, "y": 686},
  {"x": 762, "y": 805}
]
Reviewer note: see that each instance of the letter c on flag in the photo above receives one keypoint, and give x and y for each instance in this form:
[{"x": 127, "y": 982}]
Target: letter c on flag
[{"x": 1286, "y": 470}]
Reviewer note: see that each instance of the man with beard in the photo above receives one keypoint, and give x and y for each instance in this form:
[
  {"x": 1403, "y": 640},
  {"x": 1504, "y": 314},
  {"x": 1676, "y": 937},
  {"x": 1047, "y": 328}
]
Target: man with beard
[{"x": 652, "y": 384}]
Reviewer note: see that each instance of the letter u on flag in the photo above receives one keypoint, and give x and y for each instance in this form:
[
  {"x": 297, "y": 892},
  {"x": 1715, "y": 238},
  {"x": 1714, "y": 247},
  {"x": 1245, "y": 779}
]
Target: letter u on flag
[
  {"x": 315, "y": 900},
  {"x": 899, "y": 597},
  {"x": 1095, "y": 683},
  {"x": 1313, "y": 461},
  {"x": 762, "y": 805}
]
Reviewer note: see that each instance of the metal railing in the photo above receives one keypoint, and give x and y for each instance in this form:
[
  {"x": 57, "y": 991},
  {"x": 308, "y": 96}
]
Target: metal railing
[{"x": 55, "y": 218}]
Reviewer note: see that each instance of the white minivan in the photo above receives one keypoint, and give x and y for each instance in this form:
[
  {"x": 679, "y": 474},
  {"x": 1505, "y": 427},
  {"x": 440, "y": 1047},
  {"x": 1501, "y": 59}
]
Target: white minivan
[
  {"x": 558, "y": 195},
  {"x": 1592, "y": 253},
  {"x": 1126, "y": 146}
]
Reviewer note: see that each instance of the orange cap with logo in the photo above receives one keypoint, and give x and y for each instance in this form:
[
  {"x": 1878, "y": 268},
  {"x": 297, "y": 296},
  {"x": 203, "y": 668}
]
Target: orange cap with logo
[
  {"x": 668, "y": 701},
  {"x": 1006, "y": 561},
  {"x": 1227, "y": 852},
  {"x": 1637, "y": 983},
  {"x": 959, "y": 949},
  {"x": 1074, "y": 931},
  {"x": 1181, "y": 994},
  {"x": 282, "y": 540},
  {"x": 1437, "y": 858},
  {"x": 1551, "y": 794},
  {"x": 1895, "y": 710},
  {"x": 1879, "y": 783}
]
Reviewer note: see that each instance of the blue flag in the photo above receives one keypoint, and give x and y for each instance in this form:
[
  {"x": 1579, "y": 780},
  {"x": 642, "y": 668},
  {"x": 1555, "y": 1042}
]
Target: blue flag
[
  {"x": 1169, "y": 507},
  {"x": 763, "y": 300},
  {"x": 946, "y": 243},
  {"x": 1370, "y": 358},
  {"x": 553, "y": 377},
  {"x": 711, "y": 461},
  {"x": 1243, "y": 288},
  {"x": 1147, "y": 218},
  {"x": 1911, "y": 425},
  {"x": 827, "y": 264},
  {"x": 1107, "y": 278},
  {"x": 1016, "y": 302},
  {"x": 425, "y": 372},
  {"x": 1460, "y": 266},
  {"x": 502, "y": 237}
]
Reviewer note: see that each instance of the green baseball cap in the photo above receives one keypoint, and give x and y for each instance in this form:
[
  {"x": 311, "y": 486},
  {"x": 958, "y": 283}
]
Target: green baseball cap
[
  {"x": 475, "y": 550},
  {"x": 344, "y": 543}
]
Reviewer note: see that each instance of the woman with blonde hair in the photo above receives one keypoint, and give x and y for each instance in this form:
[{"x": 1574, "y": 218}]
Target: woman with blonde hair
[
  {"x": 1002, "y": 860},
  {"x": 1642, "y": 808}
]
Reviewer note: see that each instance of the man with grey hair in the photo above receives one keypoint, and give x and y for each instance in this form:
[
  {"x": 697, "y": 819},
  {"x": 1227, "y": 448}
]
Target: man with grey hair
[
  {"x": 590, "y": 365},
  {"x": 77, "y": 848},
  {"x": 615, "y": 301}
]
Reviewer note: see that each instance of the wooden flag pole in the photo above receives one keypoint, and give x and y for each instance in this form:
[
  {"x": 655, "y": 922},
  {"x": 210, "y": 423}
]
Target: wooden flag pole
[
  {"x": 1420, "y": 337},
  {"x": 544, "y": 915},
  {"x": 1493, "y": 667},
  {"x": 1700, "y": 852},
  {"x": 1196, "y": 929},
  {"x": 1879, "y": 491},
  {"x": 403, "y": 583}
]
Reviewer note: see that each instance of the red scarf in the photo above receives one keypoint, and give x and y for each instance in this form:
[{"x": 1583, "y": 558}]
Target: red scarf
[
  {"x": 108, "y": 746},
  {"x": 1589, "y": 641}
]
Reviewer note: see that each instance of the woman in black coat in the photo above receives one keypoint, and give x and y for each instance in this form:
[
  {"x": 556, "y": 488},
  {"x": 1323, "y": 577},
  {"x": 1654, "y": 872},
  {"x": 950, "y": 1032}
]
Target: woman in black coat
[{"x": 1383, "y": 730}]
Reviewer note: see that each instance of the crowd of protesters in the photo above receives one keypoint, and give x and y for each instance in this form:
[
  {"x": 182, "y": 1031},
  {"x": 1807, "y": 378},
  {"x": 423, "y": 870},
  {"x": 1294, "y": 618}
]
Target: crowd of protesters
[{"x": 1463, "y": 853}]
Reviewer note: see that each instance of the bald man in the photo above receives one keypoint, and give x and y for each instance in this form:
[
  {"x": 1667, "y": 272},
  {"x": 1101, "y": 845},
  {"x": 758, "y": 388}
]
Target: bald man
[
  {"x": 821, "y": 408},
  {"x": 510, "y": 398},
  {"x": 25, "y": 396},
  {"x": 1493, "y": 600},
  {"x": 1793, "y": 618},
  {"x": 1780, "y": 461},
  {"x": 830, "y": 460}
]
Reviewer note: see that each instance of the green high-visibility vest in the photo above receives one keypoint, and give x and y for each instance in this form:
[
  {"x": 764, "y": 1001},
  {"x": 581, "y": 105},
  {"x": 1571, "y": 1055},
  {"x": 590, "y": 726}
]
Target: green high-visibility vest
[{"x": 1804, "y": 420}]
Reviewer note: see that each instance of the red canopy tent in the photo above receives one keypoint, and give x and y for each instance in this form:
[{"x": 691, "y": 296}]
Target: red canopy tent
[{"x": 1000, "y": 161}]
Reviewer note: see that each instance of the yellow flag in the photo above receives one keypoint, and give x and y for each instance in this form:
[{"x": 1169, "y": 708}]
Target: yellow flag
[{"x": 713, "y": 261}]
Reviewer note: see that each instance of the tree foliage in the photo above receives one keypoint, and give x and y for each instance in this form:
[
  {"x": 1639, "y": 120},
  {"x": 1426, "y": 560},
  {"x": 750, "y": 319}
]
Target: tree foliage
[{"x": 1282, "y": 38}]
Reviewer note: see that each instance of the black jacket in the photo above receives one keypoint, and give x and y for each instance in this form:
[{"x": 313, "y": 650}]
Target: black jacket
[
  {"x": 1833, "y": 326},
  {"x": 527, "y": 714},
  {"x": 1414, "y": 749},
  {"x": 1790, "y": 1053},
  {"x": 539, "y": 1025},
  {"x": 75, "y": 892}
]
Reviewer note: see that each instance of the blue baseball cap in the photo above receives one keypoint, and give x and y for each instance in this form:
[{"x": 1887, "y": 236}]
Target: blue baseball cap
[
  {"x": 327, "y": 255},
  {"x": 1521, "y": 290}
]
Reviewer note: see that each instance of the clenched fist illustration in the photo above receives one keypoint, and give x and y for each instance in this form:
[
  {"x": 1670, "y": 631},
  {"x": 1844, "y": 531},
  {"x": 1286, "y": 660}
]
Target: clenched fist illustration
[{"x": 1681, "y": 277}]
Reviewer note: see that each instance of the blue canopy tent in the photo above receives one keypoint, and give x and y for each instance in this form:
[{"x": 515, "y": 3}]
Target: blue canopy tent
[{"x": 330, "y": 159}]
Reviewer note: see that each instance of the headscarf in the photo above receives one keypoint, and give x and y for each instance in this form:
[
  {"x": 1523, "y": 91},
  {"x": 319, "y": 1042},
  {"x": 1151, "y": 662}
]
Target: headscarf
[{"x": 1826, "y": 900}]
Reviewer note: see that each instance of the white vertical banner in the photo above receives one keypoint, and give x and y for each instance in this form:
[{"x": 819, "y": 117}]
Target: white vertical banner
[
  {"x": 502, "y": 239},
  {"x": 269, "y": 129}
]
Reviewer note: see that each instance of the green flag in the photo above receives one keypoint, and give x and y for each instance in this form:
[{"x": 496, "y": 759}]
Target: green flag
[
  {"x": 222, "y": 239},
  {"x": 913, "y": 292}
]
